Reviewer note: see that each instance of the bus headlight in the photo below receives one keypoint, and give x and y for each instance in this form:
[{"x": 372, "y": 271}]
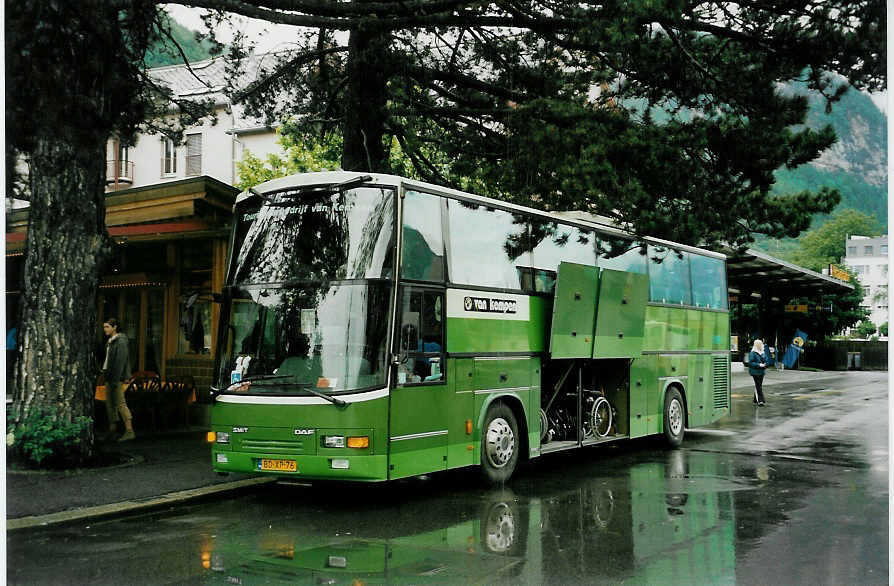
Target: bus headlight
[
  {"x": 223, "y": 437},
  {"x": 333, "y": 441}
]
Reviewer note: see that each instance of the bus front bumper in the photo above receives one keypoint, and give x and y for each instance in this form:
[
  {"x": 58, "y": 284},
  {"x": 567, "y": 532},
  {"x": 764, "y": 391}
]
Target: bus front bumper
[{"x": 370, "y": 468}]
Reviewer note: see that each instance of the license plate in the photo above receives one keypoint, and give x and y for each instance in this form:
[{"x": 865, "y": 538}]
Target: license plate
[{"x": 278, "y": 465}]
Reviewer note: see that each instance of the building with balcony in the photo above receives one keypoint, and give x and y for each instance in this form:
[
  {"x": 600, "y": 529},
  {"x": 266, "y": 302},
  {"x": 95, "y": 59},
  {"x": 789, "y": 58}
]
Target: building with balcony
[
  {"x": 868, "y": 258},
  {"x": 168, "y": 209},
  {"x": 212, "y": 148}
]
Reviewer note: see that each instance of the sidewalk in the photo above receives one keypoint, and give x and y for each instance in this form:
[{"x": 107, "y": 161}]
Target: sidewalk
[
  {"x": 740, "y": 378},
  {"x": 168, "y": 469},
  {"x": 164, "y": 469}
]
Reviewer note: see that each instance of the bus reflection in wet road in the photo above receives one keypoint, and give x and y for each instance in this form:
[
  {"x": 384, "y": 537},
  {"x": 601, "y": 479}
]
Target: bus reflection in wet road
[{"x": 710, "y": 513}]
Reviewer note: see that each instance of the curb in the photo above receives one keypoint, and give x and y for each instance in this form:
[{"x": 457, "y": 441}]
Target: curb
[
  {"x": 134, "y": 460},
  {"x": 131, "y": 506}
]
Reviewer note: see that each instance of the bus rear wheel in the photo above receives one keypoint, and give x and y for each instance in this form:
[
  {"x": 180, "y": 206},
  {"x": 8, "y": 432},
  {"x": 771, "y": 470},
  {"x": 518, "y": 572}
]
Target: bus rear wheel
[
  {"x": 499, "y": 444},
  {"x": 674, "y": 417}
]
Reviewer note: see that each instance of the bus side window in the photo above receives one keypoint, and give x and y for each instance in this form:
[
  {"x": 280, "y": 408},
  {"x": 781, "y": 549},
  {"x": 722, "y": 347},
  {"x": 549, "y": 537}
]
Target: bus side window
[
  {"x": 669, "y": 276},
  {"x": 421, "y": 336},
  {"x": 423, "y": 248},
  {"x": 708, "y": 282}
]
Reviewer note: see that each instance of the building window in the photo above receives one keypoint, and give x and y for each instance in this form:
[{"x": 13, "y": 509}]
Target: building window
[
  {"x": 851, "y": 250},
  {"x": 193, "y": 154},
  {"x": 123, "y": 155},
  {"x": 883, "y": 248},
  {"x": 168, "y": 157},
  {"x": 867, "y": 250}
]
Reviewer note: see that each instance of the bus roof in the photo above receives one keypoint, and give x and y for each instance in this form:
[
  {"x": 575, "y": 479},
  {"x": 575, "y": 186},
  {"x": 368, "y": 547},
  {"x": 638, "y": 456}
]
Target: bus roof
[{"x": 577, "y": 218}]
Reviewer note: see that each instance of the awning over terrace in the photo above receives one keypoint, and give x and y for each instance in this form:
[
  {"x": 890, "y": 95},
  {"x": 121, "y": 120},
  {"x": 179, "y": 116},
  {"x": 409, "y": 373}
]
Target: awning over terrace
[{"x": 757, "y": 274}]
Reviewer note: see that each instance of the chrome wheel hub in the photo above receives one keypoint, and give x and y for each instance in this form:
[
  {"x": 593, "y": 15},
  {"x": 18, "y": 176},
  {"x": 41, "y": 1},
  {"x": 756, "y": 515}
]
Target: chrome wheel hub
[
  {"x": 500, "y": 442},
  {"x": 675, "y": 417}
]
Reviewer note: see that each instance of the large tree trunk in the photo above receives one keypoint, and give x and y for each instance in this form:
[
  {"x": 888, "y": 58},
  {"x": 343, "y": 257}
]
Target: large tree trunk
[
  {"x": 65, "y": 248},
  {"x": 365, "y": 114}
]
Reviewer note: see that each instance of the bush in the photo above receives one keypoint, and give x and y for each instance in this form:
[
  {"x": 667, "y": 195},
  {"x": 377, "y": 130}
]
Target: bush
[
  {"x": 866, "y": 329},
  {"x": 42, "y": 441}
]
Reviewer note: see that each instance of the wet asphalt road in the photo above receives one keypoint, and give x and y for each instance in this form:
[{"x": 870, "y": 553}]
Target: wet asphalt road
[{"x": 792, "y": 493}]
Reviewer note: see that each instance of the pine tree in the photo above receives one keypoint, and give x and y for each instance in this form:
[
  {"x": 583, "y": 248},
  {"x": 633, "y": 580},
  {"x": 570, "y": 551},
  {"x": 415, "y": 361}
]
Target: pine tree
[
  {"x": 75, "y": 77},
  {"x": 666, "y": 116}
]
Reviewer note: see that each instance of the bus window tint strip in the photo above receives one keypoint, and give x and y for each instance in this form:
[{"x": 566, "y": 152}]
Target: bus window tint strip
[{"x": 335, "y": 236}]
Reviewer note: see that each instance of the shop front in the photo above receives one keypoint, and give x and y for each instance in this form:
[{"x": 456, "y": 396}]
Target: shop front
[{"x": 169, "y": 261}]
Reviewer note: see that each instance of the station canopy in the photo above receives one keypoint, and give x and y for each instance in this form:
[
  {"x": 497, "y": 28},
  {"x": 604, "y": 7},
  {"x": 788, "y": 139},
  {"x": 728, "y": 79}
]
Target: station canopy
[{"x": 753, "y": 271}]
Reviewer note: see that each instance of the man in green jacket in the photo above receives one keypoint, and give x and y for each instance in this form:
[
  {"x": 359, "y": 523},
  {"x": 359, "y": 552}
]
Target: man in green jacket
[{"x": 117, "y": 370}]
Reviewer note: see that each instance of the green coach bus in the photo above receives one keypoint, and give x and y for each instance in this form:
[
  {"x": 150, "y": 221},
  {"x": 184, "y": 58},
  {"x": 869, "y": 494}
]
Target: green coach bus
[{"x": 477, "y": 334}]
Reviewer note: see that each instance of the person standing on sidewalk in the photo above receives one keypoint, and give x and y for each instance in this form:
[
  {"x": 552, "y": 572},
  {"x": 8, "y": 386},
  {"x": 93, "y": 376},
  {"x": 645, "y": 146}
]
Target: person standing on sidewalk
[
  {"x": 757, "y": 366},
  {"x": 116, "y": 368}
]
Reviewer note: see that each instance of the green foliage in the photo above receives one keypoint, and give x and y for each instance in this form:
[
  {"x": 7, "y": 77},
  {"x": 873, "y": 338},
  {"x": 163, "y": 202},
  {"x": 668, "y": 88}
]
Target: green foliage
[
  {"x": 866, "y": 328},
  {"x": 301, "y": 155},
  {"x": 165, "y": 51},
  {"x": 883, "y": 329},
  {"x": 825, "y": 245},
  {"x": 43, "y": 440},
  {"x": 856, "y": 193},
  {"x": 304, "y": 153}
]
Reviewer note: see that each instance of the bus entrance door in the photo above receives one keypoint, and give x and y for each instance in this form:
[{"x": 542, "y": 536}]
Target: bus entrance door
[{"x": 418, "y": 419}]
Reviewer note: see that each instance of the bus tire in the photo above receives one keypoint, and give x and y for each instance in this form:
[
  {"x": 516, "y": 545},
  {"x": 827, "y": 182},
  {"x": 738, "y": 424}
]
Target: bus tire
[
  {"x": 674, "y": 417},
  {"x": 499, "y": 444}
]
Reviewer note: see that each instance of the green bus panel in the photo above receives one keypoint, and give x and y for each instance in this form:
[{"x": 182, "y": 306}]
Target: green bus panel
[
  {"x": 643, "y": 382},
  {"x": 574, "y": 310},
  {"x": 697, "y": 406},
  {"x": 460, "y": 445},
  {"x": 678, "y": 329},
  {"x": 419, "y": 433},
  {"x": 620, "y": 316},
  {"x": 483, "y": 336}
]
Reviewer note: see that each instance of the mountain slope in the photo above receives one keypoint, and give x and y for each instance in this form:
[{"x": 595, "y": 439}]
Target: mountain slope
[{"x": 856, "y": 164}]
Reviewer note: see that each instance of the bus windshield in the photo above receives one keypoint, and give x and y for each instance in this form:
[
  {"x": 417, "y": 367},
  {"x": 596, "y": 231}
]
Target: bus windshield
[
  {"x": 330, "y": 337},
  {"x": 307, "y": 299}
]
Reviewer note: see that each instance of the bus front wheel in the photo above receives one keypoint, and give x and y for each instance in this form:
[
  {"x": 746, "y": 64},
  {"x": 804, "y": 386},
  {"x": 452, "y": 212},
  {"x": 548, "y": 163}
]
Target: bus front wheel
[
  {"x": 674, "y": 417},
  {"x": 499, "y": 444}
]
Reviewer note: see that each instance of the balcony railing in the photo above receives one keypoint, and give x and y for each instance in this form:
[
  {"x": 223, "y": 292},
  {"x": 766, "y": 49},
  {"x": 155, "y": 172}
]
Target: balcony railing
[{"x": 119, "y": 172}]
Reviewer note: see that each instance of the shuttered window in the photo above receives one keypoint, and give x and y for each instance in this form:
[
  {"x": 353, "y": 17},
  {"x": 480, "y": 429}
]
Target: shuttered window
[{"x": 194, "y": 154}]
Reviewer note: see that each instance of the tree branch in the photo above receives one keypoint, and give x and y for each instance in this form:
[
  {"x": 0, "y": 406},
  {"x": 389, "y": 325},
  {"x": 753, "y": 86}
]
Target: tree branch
[{"x": 283, "y": 68}]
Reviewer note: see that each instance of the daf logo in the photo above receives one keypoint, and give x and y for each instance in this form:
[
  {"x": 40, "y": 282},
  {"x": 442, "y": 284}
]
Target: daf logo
[
  {"x": 300, "y": 431},
  {"x": 240, "y": 430}
]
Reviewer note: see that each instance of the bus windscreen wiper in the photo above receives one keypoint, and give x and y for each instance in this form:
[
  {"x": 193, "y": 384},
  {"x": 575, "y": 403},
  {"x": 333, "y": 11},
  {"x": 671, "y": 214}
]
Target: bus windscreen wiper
[
  {"x": 306, "y": 386},
  {"x": 248, "y": 379},
  {"x": 272, "y": 379},
  {"x": 264, "y": 377}
]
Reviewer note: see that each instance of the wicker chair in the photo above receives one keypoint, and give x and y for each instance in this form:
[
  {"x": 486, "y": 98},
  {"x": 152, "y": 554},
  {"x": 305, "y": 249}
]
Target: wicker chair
[{"x": 143, "y": 396}]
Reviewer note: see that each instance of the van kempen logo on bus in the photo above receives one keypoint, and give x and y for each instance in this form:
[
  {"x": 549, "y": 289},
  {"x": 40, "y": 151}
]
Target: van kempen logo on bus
[{"x": 490, "y": 305}]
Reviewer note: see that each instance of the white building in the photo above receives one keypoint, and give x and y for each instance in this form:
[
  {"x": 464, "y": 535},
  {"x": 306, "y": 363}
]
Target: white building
[
  {"x": 210, "y": 149},
  {"x": 868, "y": 258}
]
